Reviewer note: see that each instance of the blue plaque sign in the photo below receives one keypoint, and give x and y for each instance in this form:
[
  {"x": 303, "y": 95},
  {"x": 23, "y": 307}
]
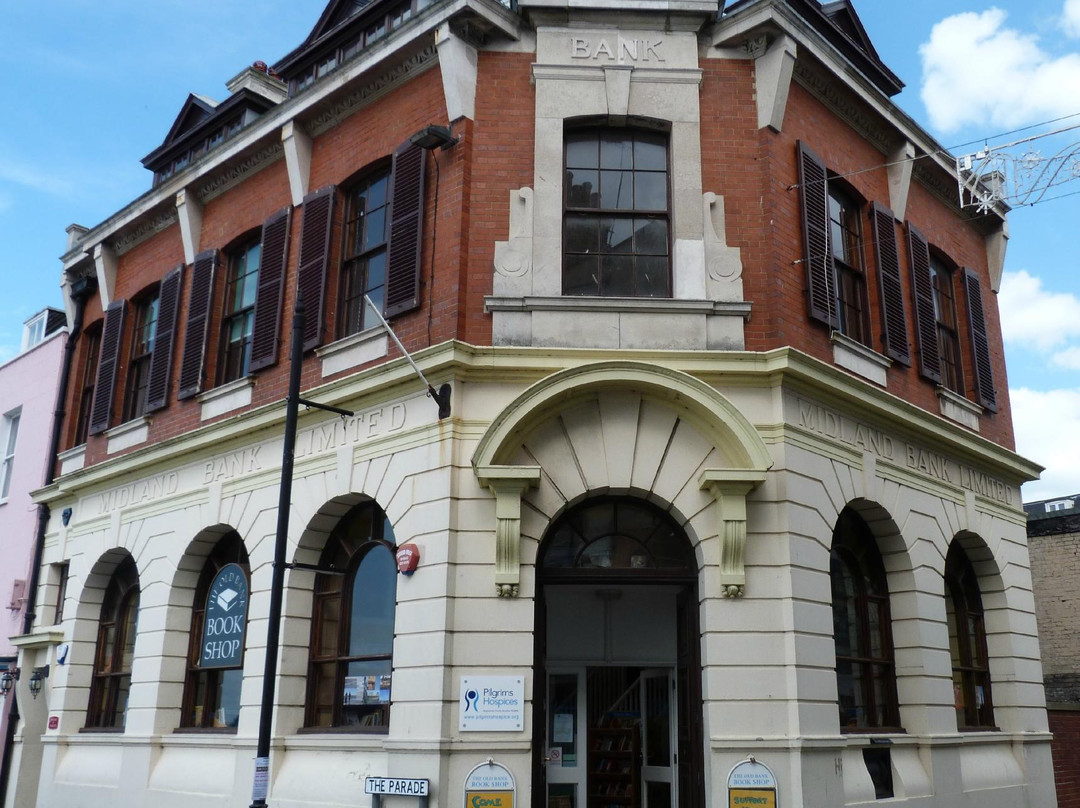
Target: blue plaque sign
[{"x": 225, "y": 619}]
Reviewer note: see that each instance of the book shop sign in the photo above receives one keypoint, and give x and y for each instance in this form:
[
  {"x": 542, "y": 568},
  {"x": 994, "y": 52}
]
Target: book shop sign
[
  {"x": 751, "y": 785},
  {"x": 490, "y": 785},
  {"x": 225, "y": 619}
]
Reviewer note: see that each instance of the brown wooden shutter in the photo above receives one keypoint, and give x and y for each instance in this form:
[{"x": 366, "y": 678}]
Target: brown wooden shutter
[
  {"x": 406, "y": 224},
  {"x": 893, "y": 315},
  {"x": 272, "y": 257},
  {"x": 820, "y": 279},
  {"x": 198, "y": 324},
  {"x": 980, "y": 343},
  {"x": 157, "y": 388},
  {"x": 314, "y": 258},
  {"x": 108, "y": 364},
  {"x": 922, "y": 291}
]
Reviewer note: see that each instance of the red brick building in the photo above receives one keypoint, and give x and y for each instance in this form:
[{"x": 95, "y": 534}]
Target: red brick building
[{"x": 728, "y": 466}]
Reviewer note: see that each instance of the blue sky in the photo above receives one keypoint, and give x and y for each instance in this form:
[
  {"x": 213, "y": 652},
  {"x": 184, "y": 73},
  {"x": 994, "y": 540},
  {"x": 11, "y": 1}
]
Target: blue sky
[{"x": 93, "y": 87}]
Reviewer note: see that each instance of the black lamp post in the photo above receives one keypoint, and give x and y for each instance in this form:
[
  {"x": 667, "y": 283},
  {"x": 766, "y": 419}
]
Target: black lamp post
[{"x": 261, "y": 784}]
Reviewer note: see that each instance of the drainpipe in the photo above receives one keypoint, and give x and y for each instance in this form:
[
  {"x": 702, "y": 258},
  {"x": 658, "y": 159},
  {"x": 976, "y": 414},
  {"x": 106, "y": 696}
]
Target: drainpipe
[{"x": 81, "y": 290}]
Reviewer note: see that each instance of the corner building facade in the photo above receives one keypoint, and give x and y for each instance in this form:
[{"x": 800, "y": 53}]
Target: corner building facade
[{"x": 728, "y": 468}]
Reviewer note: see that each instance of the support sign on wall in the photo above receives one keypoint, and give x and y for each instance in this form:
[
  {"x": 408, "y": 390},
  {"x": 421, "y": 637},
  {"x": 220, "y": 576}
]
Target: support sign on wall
[
  {"x": 491, "y": 704},
  {"x": 751, "y": 785},
  {"x": 225, "y": 619},
  {"x": 490, "y": 785}
]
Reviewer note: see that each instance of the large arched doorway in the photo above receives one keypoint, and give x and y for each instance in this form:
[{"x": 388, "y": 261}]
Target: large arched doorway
[{"x": 618, "y": 719}]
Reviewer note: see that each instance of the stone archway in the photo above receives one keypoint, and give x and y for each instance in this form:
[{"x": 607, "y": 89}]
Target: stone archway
[{"x": 622, "y": 427}]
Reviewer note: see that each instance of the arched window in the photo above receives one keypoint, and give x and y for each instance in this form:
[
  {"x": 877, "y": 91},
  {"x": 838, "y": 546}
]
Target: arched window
[
  {"x": 967, "y": 643},
  {"x": 352, "y": 626},
  {"x": 212, "y": 692},
  {"x": 611, "y": 534},
  {"x": 865, "y": 670},
  {"x": 115, "y": 649}
]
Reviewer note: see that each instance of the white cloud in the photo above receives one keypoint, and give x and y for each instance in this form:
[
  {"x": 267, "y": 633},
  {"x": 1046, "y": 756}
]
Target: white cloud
[
  {"x": 1047, "y": 425},
  {"x": 29, "y": 177},
  {"x": 977, "y": 71},
  {"x": 1069, "y": 358},
  {"x": 1070, "y": 18},
  {"x": 1034, "y": 317}
]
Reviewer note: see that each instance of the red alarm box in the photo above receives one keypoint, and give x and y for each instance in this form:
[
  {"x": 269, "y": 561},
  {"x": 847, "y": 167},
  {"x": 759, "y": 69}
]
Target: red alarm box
[{"x": 408, "y": 558}]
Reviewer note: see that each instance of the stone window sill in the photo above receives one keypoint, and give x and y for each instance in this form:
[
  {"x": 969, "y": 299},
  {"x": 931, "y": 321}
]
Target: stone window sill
[
  {"x": 856, "y": 357},
  {"x": 353, "y": 351},
  {"x": 73, "y": 459},
  {"x": 957, "y": 408},
  {"x": 653, "y": 305},
  {"x": 128, "y": 434},
  {"x": 226, "y": 398}
]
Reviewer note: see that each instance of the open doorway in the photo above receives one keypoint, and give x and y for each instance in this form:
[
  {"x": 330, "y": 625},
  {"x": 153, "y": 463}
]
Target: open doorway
[{"x": 618, "y": 713}]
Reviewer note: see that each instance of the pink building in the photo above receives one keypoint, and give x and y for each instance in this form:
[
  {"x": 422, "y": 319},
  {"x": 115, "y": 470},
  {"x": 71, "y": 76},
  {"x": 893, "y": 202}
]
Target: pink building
[{"x": 28, "y": 386}]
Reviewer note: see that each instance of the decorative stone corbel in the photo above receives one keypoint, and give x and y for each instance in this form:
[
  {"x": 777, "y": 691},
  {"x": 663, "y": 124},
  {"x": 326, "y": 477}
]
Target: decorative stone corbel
[
  {"x": 730, "y": 487},
  {"x": 457, "y": 63},
  {"x": 723, "y": 263},
  {"x": 297, "y": 144},
  {"x": 772, "y": 70},
  {"x": 996, "y": 242},
  {"x": 513, "y": 258},
  {"x": 189, "y": 212},
  {"x": 901, "y": 162},
  {"x": 508, "y": 484},
  {"x": 105, "y": 266}
]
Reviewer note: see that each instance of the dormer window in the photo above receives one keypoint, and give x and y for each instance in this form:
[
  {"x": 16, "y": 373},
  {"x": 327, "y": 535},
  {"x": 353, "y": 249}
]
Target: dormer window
[
  {"x": 201, "y": 127},
  {"x": 34, "y": 331},
  {"x": 302, "y": 75},
  {"x": 40, "y": 326}
]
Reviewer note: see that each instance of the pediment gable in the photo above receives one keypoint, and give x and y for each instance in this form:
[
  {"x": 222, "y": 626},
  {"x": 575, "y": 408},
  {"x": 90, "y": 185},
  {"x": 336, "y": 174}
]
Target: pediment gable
[
  {"x": 196, "y": 109},
  {"x": 842, "y": 14},
  {"x": 838, "y": 23},
  {"x": 335, "y": 13}
]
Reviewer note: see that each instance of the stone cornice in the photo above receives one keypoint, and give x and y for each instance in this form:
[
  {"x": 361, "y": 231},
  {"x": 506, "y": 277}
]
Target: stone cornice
[
  {"x": 342, "y": 108},
  {"x": 782, "y": 367},
  {"x": 146, "y": 227},
  {"x": 846, "y": 105},
  {"x": 237, "y": 171}
]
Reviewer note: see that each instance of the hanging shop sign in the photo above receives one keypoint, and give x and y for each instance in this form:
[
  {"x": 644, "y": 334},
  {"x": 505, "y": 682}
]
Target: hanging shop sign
[
  {"x": 491, "y": 704},
  {"x": 751, "y": 784},
  {"x": 225, "y": 619},
  {"x": 490, "y": 785}
]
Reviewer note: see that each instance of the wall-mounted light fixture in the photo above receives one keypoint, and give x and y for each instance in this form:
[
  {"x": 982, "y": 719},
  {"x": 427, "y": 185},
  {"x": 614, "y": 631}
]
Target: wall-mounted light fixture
[
  {"x": 8, "y": 679},
  {"x": 434, "y": 137},
  {"x": 37, "y": 680},
  {"x": 65, "y": 515}
]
